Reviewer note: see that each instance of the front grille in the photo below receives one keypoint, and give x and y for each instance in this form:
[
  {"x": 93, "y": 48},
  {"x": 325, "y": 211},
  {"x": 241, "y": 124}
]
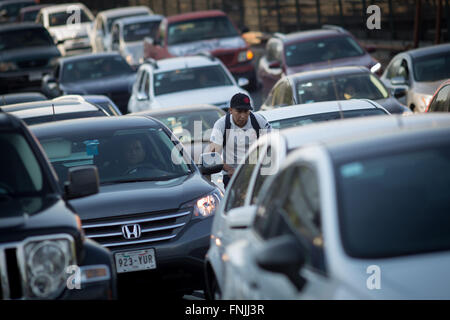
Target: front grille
[
  {"x": 10, "y": 275},
  {"x": 28, "y": 64},
  {"x": 155, "y": 227},
  {"x": 226, "y": 58}
]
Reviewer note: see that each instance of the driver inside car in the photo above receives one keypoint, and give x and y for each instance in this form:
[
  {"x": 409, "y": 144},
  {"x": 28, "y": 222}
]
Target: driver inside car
[{"x": 135, "y": 156}]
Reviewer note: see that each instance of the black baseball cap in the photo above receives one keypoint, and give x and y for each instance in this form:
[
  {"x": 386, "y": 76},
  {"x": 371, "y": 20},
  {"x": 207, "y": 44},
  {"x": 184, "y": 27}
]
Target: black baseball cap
[{"x": 241, "y": 101}]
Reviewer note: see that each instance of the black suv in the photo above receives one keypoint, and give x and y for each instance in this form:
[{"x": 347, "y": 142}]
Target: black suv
[{"x": 43, "y": 251}]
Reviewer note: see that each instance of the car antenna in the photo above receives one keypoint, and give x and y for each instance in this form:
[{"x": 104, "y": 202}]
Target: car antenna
[{"x": 336, "y": 92}]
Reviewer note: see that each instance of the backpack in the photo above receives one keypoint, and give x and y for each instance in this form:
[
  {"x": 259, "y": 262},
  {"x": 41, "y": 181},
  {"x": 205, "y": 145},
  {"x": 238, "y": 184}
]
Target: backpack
[{"x": 253, "y": 121}]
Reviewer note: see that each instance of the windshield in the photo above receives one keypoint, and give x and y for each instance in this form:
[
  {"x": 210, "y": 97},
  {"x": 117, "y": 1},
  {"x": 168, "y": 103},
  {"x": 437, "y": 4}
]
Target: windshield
[
  {"x": 184, "y": 125},
  {"x": 190, "y": 79},
  {"x": 138, "y": 31},
  {"x": 200, "y": 29},
  {"x": 96, "y": 68},
  {"x": 25, "y": 38},
  {"x": 356, "y": 86},
  {"x": 20, "y": 172},
  {"x": 395, "y": 204},
  {"x": 432, "y": 68},
  {"x": 62, "y": 18},
  {"x": 301, "y": 121},
  {"x": 322, "y": 50},
  {"x": 120, "y": 155}
]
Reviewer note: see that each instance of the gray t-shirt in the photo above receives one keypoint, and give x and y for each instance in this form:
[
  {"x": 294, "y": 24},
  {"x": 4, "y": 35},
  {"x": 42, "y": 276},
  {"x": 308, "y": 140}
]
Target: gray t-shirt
[{"x": 239, "y": 139}]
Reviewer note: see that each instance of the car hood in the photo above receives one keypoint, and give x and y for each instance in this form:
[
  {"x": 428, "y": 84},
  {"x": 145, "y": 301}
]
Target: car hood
[
  {"x": 209, "y": 45},
  {"x": 428, "y": 87},
  {"x": 364, "y": 60},
  {"x": 30, "y": 53},
  {"x": 105, "y": 86},
  {"x": 70, "y": 32},
  {"x": 392, "y": 105},
  {"x": 138, "y": 197},
  {"x": 33, "y": 215},
  {"x": 216, "y": 95}
]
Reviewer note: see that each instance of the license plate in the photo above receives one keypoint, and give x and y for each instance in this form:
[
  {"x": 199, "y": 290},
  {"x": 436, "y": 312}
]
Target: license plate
[
  {"x": 135, "y": 260},
  {"x": 34, "y": 76}
]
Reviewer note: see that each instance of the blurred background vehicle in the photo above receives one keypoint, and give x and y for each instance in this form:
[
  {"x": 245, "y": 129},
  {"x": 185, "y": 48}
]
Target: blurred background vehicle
[
  {"x": 342, "y": 206},
  {"x": 296, "y": 52},
  {"x": 40, "y": 233},
  {"x": 333, "y": 84},
  {"x": 27, "y": 54},
  {"x": 54, "y": 110},
  {"x": 204, "y": 31},
  {"x": 29, "y": 13},
  {"x": 10, "y": 9},
  {"x": 420, "y": 72},
  {"x": 179, "y": 81},
  {"x": 71, "y": 36},
  {"x": 128, "y": 36},
  {"x": 13, "y": 98},
  {"x": 300, "y": 115},
  {"x": 90, "y": 74},
  {"x": 153, "y": 212},
  {"x": 441, "y": 99},
  {"x": 100, "y": 36}
]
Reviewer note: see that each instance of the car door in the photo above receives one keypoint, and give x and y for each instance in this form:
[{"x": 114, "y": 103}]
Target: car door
[{"x": 441, "y": 102}]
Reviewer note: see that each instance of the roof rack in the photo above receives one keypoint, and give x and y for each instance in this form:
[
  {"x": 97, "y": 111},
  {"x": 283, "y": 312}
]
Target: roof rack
[
  {"x": 207, "y": 55},
  {"x": 334, "y": 27},
  {"x": 152, "y": 61}
]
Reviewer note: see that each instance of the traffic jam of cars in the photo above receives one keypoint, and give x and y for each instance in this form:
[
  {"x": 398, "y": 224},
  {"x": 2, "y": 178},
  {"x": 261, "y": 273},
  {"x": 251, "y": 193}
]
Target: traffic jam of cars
[{"x": 109, "y": 184}]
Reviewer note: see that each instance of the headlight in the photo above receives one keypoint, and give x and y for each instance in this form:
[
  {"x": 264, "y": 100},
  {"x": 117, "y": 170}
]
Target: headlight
[
  {"x": 46, "y": 263},
  {"x": 206, "y": 206},
  {"x": 245, "y": 55},
  {"x": 375, "y": 68},
  {"x": 7, "y": 66}
]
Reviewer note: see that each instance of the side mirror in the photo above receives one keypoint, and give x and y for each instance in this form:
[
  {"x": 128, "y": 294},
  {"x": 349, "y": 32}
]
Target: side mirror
[
  {"x": 283, "y": 255},
  {"x": 82, "y": 181},
  {"x": 241, "y": 217},
  {"x": 398, "y": 92},
  {"x": 142, "y": 97},
  {"x": 275, "y": 65},
  {"x": 398, "y": 81},
  {"x": 243, "y": 82},
  {"x": 210, "y": 163}
]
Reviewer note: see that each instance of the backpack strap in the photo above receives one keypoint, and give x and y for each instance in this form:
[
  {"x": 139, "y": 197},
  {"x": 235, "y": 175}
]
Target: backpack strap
[
  {"x": 255, "y": 124},
  {"x": 226, "y": 132}
]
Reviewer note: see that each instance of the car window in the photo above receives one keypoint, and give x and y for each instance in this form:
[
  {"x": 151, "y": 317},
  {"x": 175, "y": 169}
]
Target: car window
[
  {"x": 190, "y": 79},
  {"x": 239, "y": 188},
  {"x": 393, "y": 69},
  {"x": 403, "y": 70},
  {"x": 120, "y": 155},
  {"x": 95, "y": 68},
  {"x": 111, "y": 21},
  {"x": 144, "y": 87},
  {"x": 115, "y": 37},
  {"x": 39, "y": 19},
  {"x": 273, "y": 49},
  {"x": 263, "y": 173},
  {"x": 432, "y": 67},
  {"x": 321, "y": 50},
  {"x": 301, "y": 208},
  {"x": 24, "y": 38},
  {"x": 282, "y": 94},
  {"x": 138, "y": 31},
  {"x": 200, "y": 29},
  {"x": 62, "y": 18},
  {"x": 441, "y": 103}
]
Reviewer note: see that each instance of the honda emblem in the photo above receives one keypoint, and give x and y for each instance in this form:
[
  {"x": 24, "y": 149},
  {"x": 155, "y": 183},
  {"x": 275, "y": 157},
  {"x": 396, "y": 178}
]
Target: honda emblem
[{"x": 132, "y": 231}]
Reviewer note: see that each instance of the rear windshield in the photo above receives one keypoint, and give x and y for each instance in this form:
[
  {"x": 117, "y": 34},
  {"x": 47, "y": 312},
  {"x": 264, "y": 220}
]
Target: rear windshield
[
  {"x": 190, "y": 79},
  {"x": 200, "y": 29},
  {"x": 312, "y": 118},
  {"x": 395, "y": 204},
  {"x": 433, "y": 67},
  {"x": 110, "y": 21},
  {"x": 138, "y": 31},
  {"x": 17, "y": 39},
  {"x": 321, "y": 50},
  {"x": 120, "y": 155},
  {"x": 64, "y": 18}
]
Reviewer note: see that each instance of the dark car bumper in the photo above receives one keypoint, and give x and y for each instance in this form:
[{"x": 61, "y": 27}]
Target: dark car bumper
[{"x": 179, "y": 263}]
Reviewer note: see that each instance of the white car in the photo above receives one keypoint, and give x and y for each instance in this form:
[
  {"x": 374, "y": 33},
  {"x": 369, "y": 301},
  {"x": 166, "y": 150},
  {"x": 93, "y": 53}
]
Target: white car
[
  {"x": 182, "y": 81},
  {"x": 364, "y": 217},
  {"x": 128, "y": 36},
  {"x": 264, "y": 159},
  {"x": 69, "y": 25},
  {"x": 101, "y": 32}
]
